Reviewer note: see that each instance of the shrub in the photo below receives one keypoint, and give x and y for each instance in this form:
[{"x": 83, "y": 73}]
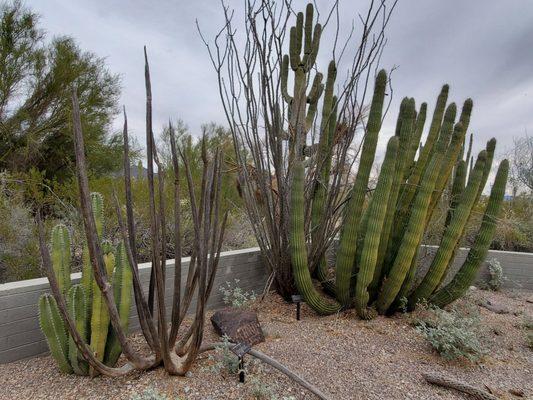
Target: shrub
[
  {"x": 235, "y": 296},
  {"x": 451, "y": 333},
  {"x": 496, "y": 277},
  {"x": 261, "y": 390},
  {"x": 224, "y": 360},
  {"x": 19, "y": 249}
]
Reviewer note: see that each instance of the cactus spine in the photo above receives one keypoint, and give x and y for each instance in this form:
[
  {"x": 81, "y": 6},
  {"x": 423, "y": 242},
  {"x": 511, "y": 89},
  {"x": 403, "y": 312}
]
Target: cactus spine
[
  {"x": 376, "y": 216},
  {"x": 466, "y": 275}
]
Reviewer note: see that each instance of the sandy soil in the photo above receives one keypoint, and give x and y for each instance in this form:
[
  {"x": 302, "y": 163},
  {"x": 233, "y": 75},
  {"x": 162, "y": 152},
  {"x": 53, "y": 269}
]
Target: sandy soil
[{"x": 343, "y": 356}]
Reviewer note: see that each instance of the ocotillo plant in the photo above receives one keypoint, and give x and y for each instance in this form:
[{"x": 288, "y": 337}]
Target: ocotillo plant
[
  {"x": 97, "y": 350},
  {"x": 281, "y": 112},
  {"x": 91, "y": 322},
  {"x": 305, "y": 151}
]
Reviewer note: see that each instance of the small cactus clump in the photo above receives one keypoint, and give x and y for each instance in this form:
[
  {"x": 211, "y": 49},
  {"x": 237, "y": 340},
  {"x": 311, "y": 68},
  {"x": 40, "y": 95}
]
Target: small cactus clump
[{"x": 85, "y": 302}]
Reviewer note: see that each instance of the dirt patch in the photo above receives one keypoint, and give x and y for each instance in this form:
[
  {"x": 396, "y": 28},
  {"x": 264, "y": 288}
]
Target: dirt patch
[{"x": 345, "y": 357}]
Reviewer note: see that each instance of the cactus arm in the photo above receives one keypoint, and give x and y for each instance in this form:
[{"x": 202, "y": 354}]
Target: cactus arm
[
  {"x": 298, "y": 247},
  {"x": 97, "y": 201},
  {"x": 348, "y": 238},
  {"x": 284, "y": 75},
  {"x": 417, "y": 135},
  {"x": 319, "y": 203},
  {"x": 491, "y": 146},
  {"x": 87, "y": 278},
  {"x": 77, "y": 308},
  {"x": 122, "y": 286},
  {"x": 451, "y": 236},
  {"x": 54, "y": 330},
  {"x": 401, "y": 163},
  {"x": 426, "y": 151},
  {"x": 458, "y": 187},
  {"x": 328, "y": 126},
  {"x": 376, "y": 216},
  {"x": 415, "y": 227},
  {"x": 60, "y": 252},
  {"x": 446, "y": 169},
  {"x": 295, "y": 42},
  {"x": 466, "y": 275},
  {"x": 100, "y": 315}
]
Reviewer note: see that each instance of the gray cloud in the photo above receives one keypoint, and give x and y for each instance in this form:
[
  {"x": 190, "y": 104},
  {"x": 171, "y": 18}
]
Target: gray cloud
[{"x": 482, "y": 48}]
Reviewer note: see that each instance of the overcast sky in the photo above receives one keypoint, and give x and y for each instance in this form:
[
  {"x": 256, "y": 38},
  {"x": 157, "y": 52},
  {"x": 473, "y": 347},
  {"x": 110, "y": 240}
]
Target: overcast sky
[{"x": 482, "y": 48}]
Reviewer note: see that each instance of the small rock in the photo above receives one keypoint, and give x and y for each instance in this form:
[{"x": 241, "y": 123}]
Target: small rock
[{"x": 517, "y": 392}]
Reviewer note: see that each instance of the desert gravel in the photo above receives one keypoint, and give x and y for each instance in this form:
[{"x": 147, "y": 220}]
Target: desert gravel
[{"x": 343, "y": 356}]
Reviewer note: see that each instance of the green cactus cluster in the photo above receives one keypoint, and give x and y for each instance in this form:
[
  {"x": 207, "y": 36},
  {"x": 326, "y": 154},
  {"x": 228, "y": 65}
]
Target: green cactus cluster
[
  {"x": 382, "y": 229},
  {"x": 84, "y": 301}
]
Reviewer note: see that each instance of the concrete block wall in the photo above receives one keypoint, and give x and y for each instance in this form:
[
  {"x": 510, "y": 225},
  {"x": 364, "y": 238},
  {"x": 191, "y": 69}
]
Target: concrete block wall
[{"x": 20, "y": 336}]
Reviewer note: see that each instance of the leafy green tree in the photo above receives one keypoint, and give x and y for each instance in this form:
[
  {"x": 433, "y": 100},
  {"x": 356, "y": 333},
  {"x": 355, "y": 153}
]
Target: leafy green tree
[{"x": 35, "y": 82}]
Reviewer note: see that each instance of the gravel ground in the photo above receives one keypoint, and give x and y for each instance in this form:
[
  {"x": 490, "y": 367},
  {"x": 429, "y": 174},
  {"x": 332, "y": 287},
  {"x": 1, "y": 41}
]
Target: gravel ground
[{"x": 343, "y": 356}]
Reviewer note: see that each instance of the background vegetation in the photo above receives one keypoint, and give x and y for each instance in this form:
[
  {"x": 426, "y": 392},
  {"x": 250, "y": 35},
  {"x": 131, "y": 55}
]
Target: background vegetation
[{"x": 36, "y": 153}]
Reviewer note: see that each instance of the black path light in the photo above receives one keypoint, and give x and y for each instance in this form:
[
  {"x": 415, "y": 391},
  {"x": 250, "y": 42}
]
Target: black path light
[
  {"x": 296, "y": 298},
  {"x": 240, "y": 349}
]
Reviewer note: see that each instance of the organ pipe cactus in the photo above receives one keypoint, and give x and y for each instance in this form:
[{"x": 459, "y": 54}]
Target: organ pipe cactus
[
  {"x": 297, "y": 156},
  {"x": 377, "y": 258},
  {"x": 451, "y": 235},
  {"x": 415, "y": 228},
  {"x": 376, "y": 216},
  {"x": 466, "y": 275},
  {"x": 354, "y": 208}
]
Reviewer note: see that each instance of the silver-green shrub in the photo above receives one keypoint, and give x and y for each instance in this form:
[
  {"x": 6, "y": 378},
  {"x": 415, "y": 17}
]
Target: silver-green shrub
[
  {"x": 451, "y": 333},
  {"x": 235, "y": 296},
  {"x": 496, "y": 277}
]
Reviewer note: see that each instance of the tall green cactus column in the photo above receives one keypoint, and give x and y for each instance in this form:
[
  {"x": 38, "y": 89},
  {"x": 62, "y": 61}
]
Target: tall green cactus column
[
  {"x": 122, "y": 288},
  {"x": 298, "y": 246},
  {"x": 328, "y": 126},
  {"x": 405, "y": 131},
  {"x": 298, "y": 126},
  {"x": 376, "y": 215},
  {"x": 415, "y": 228},
  {"x": 50, "y": 320},
  {"x": 77, "y": 308},
  {"x": 100, "y": 314},
  {"x": 354, "y": 208},
  {"x": 54, "y": 330},
  {"x": 466, "y": 275},
  {"x": 451, "y": 236},
  {"x": 60, "y": 246}
]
